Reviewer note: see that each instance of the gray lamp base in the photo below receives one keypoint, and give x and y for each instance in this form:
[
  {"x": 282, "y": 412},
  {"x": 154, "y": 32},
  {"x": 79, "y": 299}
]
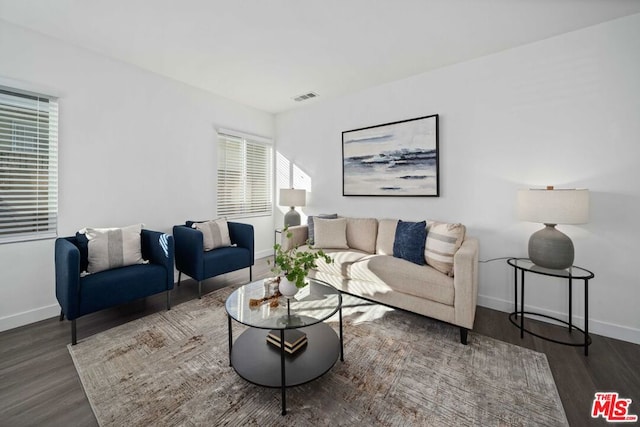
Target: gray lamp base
[
  {"x": 291, "y": 218},
  {"x": 551, "y": 248}
]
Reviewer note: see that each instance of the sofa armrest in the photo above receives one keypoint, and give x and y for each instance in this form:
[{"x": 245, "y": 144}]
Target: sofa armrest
[
  {"x": 189, "y": 251},
  {"x": 67, "y": 263},
  {"x": 465, "y": 282},
  {"x": 243, "y": 236},
  {"x": 158, "y": 248},
  {"x": 299, "y": 237}
]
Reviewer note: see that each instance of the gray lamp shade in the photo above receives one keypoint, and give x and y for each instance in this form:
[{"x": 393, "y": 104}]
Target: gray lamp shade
[
  {"x": 549, "y": 247},
  {"x": 292, "y": 197}
]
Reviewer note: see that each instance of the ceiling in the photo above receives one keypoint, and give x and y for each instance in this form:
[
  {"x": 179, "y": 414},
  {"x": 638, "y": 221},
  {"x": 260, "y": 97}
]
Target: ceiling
[{"x": 264, "y": 53}]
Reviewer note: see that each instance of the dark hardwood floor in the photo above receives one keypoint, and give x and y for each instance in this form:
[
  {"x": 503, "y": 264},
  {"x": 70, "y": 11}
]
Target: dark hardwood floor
[{"x": 39, "y": 385}]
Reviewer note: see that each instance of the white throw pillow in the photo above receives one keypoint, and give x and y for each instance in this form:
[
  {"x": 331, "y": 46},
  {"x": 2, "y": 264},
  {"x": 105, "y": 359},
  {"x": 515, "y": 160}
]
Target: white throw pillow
[
  {"x": 330, "y": 233},
  {"x": 215, "y": 233},
  {"x": 113, "y": 247}
]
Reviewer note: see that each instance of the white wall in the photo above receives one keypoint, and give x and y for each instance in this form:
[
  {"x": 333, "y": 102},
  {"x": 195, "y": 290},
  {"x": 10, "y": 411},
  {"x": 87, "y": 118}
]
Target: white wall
[
  {"x": 563, "y": 112},
  {"x": 133, "y": 147}
]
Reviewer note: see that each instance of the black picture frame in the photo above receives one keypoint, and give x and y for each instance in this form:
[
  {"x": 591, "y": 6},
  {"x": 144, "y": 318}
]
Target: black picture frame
[{"x": 397, "y": 159}]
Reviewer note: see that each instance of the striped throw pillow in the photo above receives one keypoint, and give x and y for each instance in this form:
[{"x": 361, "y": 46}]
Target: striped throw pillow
[
  {"x": 113, "y": 247},
  {"x": 443, "y": 241},
  {"x": 215, "y": 233}
]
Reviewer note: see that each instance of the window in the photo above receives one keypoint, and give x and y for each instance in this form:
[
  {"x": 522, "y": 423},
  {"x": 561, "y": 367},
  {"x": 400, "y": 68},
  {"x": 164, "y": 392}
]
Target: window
[
  {"x": 28, "y": 166},
  {"x": 244, "y": 175}
]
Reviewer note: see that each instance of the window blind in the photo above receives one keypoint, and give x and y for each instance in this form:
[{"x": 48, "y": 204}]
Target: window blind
[
  {"x": 28, "y": 166},
  {"x": 244, "y": 176}
]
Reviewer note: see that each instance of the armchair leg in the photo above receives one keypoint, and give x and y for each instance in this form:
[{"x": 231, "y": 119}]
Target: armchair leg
[
  {"x": 61, "y": 315},
  {"x": 463, "y": 335},
  {"x": 199, "y": 289},
  {"x": 179, "y": 276},
  {"x": 250, "y": 273},
  {"x": 168, "y": 300},
  {"x": 74, "y": 340}
]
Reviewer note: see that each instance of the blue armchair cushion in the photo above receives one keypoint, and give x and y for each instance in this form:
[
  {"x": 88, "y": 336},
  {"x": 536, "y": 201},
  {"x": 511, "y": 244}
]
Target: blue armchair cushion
[
  {"x": 83, "y": 246},
  {"x": 410, "y": 240}
]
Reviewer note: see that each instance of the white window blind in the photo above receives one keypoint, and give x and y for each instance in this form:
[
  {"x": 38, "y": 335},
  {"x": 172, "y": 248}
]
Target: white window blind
[
  {"x": 28, "y": 166},
  {"x": 244, "y": 176}
]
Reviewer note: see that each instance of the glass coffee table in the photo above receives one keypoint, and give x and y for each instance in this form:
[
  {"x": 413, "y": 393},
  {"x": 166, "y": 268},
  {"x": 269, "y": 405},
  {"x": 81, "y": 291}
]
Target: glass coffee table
[{"x": 267, "y": 365}]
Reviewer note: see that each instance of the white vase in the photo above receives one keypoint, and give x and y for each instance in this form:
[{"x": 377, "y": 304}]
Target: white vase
[{"x": 287, "y": 287}]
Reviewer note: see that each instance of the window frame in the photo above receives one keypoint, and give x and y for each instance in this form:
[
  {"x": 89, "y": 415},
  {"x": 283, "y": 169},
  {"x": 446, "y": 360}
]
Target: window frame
[
  {"x": 28, "y": 140},
  {"x": 245, "y": 143}
]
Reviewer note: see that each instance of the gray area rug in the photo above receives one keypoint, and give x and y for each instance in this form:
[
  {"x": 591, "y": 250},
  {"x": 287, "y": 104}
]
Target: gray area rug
[{"x": 172, "y": 368}]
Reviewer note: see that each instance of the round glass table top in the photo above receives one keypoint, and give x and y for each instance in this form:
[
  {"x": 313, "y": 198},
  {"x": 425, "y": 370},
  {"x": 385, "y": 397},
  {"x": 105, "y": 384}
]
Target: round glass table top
[
  {"x": 312, "y": 304},
  {"x": 572, "y": 272}
]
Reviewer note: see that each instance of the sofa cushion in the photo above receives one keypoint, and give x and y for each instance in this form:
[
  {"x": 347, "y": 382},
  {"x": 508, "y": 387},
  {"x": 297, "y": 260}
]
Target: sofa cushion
[
  {"x": 362, "y": 234},
  {"x": 443, "y": 241},
  {"x": 109, "y": 248},
  {"x": 342, "y": 260},
  {"x": 386, "y": 236},
  {"x": 403, "y": 276},
  {"x": 410, "y": 241},
  {"x": 215, "y": 233},
  {"x": 330, "y": 233},
  {"x": 311, "y": 225}
]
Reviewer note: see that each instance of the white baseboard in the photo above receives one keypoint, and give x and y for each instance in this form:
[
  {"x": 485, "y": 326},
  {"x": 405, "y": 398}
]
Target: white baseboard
[
  {"x": 27, "y": 317},
  {"x": 597, "y": 327},
  {"x": 264, "y": 254}
]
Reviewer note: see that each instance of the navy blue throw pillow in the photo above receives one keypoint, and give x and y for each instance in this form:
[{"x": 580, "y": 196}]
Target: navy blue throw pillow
[{"x": 410, "y": 240}]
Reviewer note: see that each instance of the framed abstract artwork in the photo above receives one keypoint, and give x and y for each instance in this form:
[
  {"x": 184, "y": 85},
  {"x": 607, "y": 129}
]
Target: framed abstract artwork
[{"x": 392, "y": 159}]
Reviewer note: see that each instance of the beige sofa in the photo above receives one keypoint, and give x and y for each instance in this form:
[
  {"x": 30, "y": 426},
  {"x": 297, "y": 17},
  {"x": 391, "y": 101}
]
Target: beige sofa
[{"x": 364, "y": 266}]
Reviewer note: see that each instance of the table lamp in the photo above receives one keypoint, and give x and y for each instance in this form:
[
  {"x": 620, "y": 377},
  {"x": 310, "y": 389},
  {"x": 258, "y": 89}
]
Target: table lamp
[
  {"x": 549, "y": 247},
  {"x": 292, "y": 198}
]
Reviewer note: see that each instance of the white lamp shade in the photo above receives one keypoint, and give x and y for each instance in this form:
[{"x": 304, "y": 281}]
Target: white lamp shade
[
  {"x": 554, "y": 206},
  {"x": 292, "y": 197}
]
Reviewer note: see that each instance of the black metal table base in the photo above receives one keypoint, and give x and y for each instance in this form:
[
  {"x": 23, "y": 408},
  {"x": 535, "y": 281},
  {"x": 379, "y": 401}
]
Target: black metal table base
[
  {"x": 263, "y": 364},
  {"x": 513, "y": 319}
]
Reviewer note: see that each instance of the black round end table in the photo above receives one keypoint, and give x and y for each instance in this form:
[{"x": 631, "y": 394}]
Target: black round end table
[{"x": 525, "y": 265}]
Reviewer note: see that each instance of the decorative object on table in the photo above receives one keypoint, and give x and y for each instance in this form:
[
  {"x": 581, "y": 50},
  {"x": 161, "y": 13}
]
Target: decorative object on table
[
  {"x": 393, "y": 159},
  {"x": 294, "y": 339},
  {"x": 272, "y": 298},
  {"x": 549, "y": 247},
  {"x": 292, "y": 197},
  {"x": 294, "y": 265}
]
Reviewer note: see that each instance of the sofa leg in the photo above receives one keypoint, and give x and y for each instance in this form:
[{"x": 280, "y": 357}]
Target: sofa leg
[
  {"x": 168, "y": 300},
  {"x": 463, "y": 335},
  {"x": 250, "y": 273},
  {"x": 74, "y": 340},
  {"x": 179, "y": 276},
  {"x": 61, "y": 315},
  {"x": 199, "y": 289}
]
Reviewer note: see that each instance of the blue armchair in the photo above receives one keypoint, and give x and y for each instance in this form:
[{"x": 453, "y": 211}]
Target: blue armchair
[
  {"x": 192, "y": 260},
  {"x": 78, "y": 296}
]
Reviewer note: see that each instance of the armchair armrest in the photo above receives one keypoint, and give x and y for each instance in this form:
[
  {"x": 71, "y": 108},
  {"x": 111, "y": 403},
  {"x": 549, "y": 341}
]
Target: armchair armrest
[
  {"x": 158, "y": 248},
  {"x": 67, "y": 263},
  {"x": 465, "y": 282},
  {"x": 243, "y": 236},
  {"x": 189, "y": 251}
]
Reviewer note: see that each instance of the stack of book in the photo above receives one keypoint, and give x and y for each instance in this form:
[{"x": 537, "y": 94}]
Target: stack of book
[{"x": 294, "y": 339}]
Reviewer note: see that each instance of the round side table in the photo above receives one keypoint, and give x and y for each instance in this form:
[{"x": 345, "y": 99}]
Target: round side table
[{"x": 525, "y": 265}]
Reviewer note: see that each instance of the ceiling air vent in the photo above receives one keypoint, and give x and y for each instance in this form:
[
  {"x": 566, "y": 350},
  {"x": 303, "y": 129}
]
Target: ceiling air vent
[{"x": 305, "y": 96}]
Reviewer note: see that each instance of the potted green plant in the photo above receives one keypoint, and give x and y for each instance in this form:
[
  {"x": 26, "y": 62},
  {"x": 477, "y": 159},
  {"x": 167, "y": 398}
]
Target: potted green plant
[{"x": 292, "y": 265}]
